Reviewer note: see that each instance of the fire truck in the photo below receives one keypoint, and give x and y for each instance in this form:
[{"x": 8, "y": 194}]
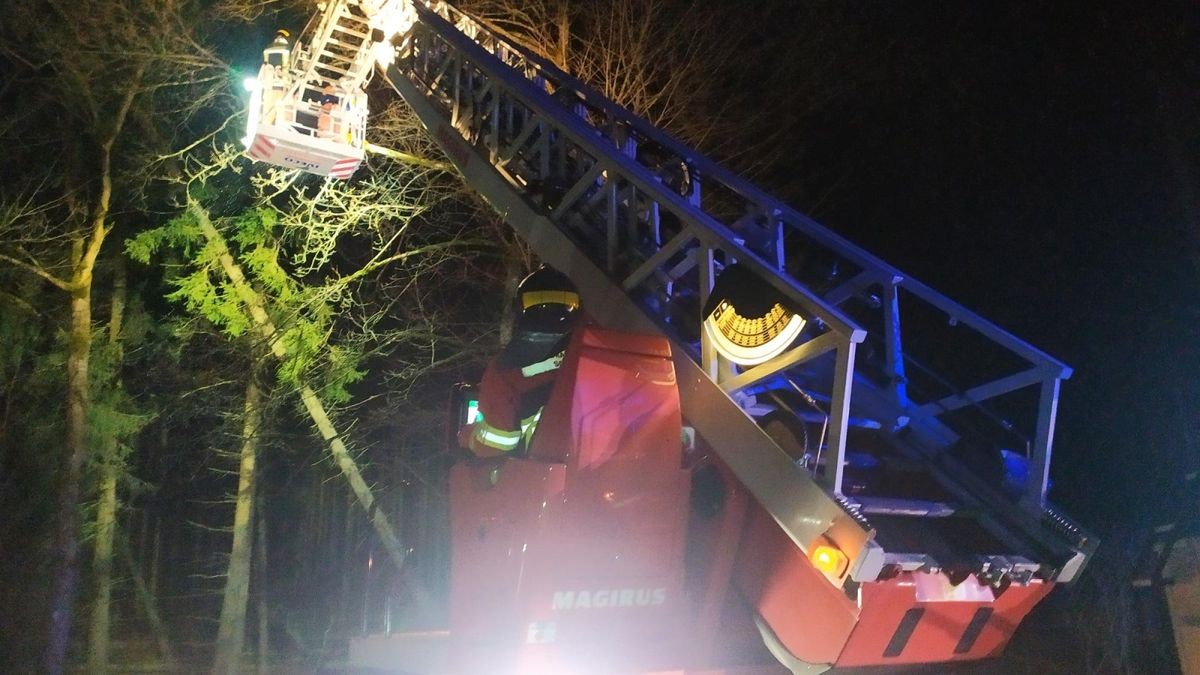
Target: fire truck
[{"x": 768, "y": 451}]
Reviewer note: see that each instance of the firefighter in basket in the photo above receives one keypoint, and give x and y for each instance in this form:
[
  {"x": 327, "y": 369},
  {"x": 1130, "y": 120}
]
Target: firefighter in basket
[{"x": 274, "y": 77}]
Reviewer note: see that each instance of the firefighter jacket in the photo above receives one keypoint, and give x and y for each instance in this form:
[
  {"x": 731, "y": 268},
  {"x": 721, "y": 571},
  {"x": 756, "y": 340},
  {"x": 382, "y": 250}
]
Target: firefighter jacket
[{"x": 510, "y": 404}]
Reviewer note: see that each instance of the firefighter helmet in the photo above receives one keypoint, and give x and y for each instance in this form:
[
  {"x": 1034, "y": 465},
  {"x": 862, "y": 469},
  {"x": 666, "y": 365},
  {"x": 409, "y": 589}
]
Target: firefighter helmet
[
  {"x": 547, "y": 309},
  {"x": 279, "y": 53}
]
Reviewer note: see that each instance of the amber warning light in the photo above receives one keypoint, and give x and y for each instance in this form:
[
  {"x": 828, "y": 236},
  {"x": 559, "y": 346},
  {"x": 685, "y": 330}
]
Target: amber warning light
[{"x": 829, "y": 559}]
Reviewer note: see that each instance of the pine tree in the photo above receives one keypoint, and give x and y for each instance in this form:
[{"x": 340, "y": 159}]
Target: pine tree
[{"x": 277, "y": 276}]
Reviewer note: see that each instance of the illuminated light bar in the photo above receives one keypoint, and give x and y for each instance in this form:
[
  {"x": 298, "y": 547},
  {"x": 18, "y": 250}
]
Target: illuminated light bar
[
  {"x": 829, "y": 560},
  {"x": 749, "y": 341},
  {"x": 535, "y": 298},
  {"x": 745, "y": 322}
]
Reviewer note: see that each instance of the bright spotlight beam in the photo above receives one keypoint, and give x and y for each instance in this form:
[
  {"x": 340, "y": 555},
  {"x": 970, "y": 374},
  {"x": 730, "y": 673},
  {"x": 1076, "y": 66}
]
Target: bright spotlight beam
[{"x": 745, "y": 322}]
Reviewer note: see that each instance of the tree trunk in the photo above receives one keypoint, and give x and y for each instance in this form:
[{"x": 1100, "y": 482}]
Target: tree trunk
[
  {"x": 143, "y": 518},
  {"x": 513, "y": 271},
  {"x": 564, "y": 37},
  {"x": 231, "y": 631},
  {"x": 149, "y": 604},
  {"x": 106, "y": 507},
  {"x": 67, "y": 537},
  {"x": 155, "y": 556},
  {"x": 106, "y": 513},
  {"x": 85, "y": 250},
  {"x": 312, "y": 403},
  {"x": 264, "y": 628}
]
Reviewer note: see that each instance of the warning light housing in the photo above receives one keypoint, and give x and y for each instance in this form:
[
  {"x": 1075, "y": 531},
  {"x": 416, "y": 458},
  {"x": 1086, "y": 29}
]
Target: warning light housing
[
  {"x": 745, "y": 319},
  {"x": 829, "y": 560}
]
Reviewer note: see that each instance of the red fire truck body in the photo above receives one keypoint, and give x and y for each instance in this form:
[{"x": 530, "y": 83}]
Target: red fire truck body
[{"x": 585, "y": 556}]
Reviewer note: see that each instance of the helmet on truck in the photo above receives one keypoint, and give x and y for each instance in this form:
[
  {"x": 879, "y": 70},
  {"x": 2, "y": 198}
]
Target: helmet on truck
[{"x": 547, "y": 309}]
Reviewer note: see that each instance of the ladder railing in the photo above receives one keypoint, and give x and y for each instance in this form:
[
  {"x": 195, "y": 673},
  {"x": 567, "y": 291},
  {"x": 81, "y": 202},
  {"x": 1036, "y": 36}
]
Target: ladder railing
[
  {"x": 653, "y": 238},
  {"x": 650, "y": 224}
]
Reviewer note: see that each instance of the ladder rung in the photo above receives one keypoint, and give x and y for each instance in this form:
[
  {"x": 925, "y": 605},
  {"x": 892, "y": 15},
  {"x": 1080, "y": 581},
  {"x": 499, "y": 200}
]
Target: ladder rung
[
  {"x": 347, "y": 45},
  {"x": 346, "y": 13},
  {"x": 362, "y": 20},
  {"x": 347, "y": 31},
  {"x": 892, "y": 506},
  {"x": 335, "y": 69},
  {"x": 339, "y": 57}
]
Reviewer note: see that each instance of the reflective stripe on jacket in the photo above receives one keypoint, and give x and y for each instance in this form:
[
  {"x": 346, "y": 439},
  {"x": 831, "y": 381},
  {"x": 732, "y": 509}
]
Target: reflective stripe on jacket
[
  {"x": 493, "y": 437},
  {"x": 510, "y": 405}
]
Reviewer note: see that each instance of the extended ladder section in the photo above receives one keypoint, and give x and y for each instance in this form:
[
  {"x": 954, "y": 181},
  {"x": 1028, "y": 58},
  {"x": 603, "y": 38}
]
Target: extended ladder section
[
  {"x": 340, "y": 48},
  {"x": 921, "y": 444}
]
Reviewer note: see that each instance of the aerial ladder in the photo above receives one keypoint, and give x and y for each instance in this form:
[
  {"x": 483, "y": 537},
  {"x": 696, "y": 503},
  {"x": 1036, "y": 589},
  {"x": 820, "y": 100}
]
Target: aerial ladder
[{"x": 875, "y": 489}]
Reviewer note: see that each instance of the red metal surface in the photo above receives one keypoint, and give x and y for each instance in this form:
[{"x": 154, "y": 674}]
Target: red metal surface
[
  {"x": 819, "y": 623},
  {"x": 811, "y": 617},
  {"x": 493, "y": 527},
  {"x": 723, "y": 635},
  {"x": 942, "y": 623},
  {"x": 711, "y": 556},
  {"x": 616, "y": 395},
  {"x": 571, "y": 560}
]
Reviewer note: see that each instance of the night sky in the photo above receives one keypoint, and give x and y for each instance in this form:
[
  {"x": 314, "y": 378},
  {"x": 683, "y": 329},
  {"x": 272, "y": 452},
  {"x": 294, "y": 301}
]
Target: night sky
[{"x": 1038, "y": 163}]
